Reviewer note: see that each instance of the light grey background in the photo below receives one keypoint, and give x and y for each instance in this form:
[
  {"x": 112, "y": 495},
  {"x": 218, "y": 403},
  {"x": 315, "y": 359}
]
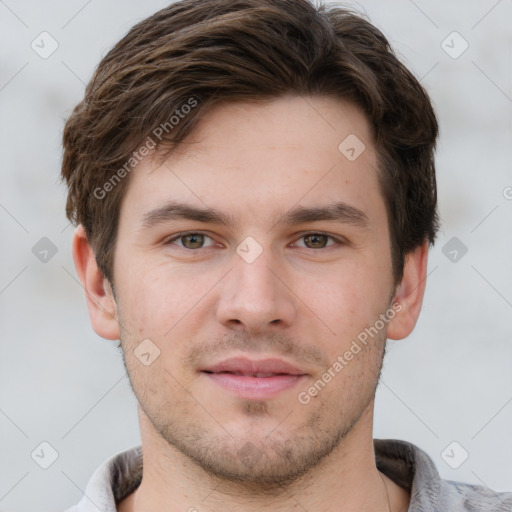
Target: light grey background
[{"x": 451, "y": 380}]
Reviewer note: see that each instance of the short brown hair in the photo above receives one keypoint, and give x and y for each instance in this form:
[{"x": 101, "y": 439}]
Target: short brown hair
[{"x": 206, "y": 52}]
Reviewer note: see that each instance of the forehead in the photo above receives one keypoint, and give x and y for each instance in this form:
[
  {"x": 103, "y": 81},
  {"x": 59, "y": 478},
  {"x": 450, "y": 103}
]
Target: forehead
[{"x": 254, "y": 159}]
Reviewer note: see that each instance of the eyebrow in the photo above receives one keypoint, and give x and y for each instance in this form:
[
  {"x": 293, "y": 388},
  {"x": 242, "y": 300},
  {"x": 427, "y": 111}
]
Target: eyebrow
[{"x": 340, "y": 212}]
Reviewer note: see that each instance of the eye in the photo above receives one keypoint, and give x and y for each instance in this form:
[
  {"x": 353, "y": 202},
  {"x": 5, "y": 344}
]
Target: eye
[
  {"x": 190, "y": 240},
  {"x": 318, "y": 240}
]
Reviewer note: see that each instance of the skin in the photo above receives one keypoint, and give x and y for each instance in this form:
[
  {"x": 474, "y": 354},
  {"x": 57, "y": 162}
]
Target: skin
[{"x": 303, "y": 300}]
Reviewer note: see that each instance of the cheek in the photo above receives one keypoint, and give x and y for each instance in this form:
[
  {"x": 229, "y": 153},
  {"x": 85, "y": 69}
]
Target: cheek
[
  {"x": 157, "y": 297},
  {"x": 348, "y": 299},
  {"x": 157, "y": 387}
]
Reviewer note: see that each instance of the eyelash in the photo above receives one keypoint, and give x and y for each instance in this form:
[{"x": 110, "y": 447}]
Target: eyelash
[{"x": 337, "y": 241}]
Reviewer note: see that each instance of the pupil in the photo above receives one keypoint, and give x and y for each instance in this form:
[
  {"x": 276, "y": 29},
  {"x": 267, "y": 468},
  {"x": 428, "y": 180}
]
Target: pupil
[
  {"x": 316, "y": 239},
  {"x": 196, "y": 240}
]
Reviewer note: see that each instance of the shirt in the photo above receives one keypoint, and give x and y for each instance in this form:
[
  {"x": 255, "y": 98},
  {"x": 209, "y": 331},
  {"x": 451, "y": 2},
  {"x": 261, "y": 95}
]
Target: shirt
[{"x": 403, "y": 462}]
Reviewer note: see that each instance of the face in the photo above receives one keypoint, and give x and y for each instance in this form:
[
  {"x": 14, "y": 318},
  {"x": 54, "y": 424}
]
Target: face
[{"x": 253, "y": 259}]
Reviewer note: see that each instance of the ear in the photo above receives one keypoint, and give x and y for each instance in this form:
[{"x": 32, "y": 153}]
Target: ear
[
  {"x": 98, "y": 292},
  {"x": 409, "y": 294}
]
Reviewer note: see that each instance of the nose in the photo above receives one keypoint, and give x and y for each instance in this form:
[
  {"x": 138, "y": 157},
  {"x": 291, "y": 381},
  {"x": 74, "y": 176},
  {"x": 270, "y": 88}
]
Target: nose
[{"x": 255, "y": 296}]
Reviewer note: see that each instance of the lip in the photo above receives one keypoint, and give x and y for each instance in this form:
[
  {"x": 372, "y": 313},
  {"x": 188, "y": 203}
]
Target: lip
[
  {"x": 246, "y": 366},
  {"x": 257, "y": 380}
]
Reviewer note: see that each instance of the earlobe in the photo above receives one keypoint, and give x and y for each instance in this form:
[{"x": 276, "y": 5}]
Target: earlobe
[
  {"x": 98, "y": 292},
  {"x": 409, "y": 293}
]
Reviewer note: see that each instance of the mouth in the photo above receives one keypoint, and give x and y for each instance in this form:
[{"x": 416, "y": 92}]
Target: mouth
[{"x": 257, "y": 380}]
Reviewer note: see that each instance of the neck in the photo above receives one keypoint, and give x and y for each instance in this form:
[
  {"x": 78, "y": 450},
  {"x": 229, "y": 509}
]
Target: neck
[{"x": 348, "y": 476}]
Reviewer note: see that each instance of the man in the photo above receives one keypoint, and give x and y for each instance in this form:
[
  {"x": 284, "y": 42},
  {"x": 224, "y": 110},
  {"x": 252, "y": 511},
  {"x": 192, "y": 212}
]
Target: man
[{"x": 254, "y": 187}]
